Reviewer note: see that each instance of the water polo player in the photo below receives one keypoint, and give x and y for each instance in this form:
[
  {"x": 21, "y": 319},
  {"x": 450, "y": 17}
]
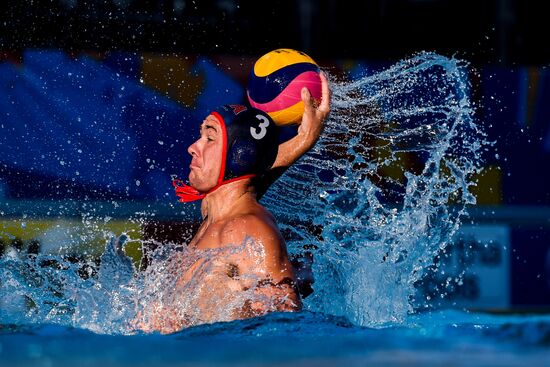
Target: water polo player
[{"x": 237, "y": 147}]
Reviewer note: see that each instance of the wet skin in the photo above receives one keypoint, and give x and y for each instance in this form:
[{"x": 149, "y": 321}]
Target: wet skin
[{"x": 232, "y": 214}]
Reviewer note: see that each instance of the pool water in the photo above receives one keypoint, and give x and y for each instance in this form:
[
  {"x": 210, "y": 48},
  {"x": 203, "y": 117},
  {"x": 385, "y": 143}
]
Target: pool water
[{"x": 442, "y": 338}]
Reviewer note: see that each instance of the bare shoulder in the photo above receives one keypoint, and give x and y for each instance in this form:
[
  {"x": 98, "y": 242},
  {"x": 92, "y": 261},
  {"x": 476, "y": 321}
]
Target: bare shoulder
[{"x": 260, "y": 225}]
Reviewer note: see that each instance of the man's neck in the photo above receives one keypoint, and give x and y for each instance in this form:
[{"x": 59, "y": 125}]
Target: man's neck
[{"x": 221, "y": 203}]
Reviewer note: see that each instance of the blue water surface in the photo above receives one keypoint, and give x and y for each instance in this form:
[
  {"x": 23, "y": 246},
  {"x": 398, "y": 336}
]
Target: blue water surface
[{"x": 441, "y": 338}]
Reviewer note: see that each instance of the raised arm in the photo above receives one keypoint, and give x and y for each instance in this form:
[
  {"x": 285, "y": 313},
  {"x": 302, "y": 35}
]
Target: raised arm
[{"x": 309, "y": 130}]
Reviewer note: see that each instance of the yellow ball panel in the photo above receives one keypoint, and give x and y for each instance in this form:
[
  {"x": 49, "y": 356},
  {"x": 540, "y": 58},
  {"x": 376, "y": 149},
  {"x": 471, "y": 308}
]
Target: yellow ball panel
[
  {"x": 289, "y": 116},
  {"x": 277, "y": 59}
]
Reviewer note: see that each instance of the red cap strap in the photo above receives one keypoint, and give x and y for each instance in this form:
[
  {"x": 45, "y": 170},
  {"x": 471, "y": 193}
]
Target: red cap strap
[
  {"x": 224, "y": 147},
  {"x": 188, "y": 193}
]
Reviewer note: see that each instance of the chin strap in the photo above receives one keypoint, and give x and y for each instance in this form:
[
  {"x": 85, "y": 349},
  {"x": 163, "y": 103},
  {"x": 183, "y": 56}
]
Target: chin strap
[{"x": 188, "y": 193}]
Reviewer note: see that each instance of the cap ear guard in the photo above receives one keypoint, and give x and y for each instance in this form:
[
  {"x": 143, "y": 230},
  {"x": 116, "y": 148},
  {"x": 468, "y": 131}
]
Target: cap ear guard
[{"x": 242, "y": 157}]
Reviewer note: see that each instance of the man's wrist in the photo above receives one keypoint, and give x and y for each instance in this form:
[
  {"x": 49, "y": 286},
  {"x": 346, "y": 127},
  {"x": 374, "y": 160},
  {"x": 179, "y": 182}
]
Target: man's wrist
[{"x": 310, "y": 138}]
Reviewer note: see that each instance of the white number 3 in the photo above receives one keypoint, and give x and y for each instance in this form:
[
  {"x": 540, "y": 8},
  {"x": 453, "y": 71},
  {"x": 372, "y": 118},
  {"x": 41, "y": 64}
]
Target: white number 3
[{"x": 262, "y": 128}]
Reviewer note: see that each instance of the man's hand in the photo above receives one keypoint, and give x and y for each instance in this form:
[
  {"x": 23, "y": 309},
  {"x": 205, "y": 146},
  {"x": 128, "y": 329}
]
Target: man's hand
[
  {"x": 310, "y": 128},
  {"x": 315, "y": 114}
]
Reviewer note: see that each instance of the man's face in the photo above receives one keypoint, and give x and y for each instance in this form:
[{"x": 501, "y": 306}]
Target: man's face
[{"x": 207, "y": 155}]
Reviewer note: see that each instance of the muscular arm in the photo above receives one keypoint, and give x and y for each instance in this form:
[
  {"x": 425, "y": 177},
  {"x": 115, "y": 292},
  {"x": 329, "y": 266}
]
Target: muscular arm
[
  {"x": 310, "y": 127},
  {"x": 309, "y": 131}
]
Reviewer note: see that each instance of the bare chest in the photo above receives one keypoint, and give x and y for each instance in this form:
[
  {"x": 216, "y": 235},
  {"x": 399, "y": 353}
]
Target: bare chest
[
  {"x": 224, "y": 262},
  {"x": 208, "y": 236}
]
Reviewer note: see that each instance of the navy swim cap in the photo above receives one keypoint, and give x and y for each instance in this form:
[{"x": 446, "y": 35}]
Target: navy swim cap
[
  {"x": 250, "y": 147},
  {"x": 252, "y": 140}
]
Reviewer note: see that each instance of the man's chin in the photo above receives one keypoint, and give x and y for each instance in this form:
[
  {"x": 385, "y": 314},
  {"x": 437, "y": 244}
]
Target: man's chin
[{"x": 197, "y": 186}]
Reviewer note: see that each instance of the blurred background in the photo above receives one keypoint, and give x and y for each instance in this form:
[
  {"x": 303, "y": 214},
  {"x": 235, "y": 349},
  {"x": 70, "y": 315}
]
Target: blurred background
[{"x": 100, "y": 99}]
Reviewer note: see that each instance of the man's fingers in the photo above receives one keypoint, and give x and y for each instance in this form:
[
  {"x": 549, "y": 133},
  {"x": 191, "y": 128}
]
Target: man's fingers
[
  {"x": 325, "y": 90},
  {"x": 310, "y": 105},
  {"x": 308, "y": 101}
]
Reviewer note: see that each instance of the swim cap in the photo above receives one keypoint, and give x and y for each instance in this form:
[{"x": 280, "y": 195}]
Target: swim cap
[{"x": 250, "y": 146}]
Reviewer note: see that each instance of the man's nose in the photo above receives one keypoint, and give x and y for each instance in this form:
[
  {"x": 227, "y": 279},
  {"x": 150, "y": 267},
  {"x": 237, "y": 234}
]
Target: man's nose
[{"x": 193, "y": 149}]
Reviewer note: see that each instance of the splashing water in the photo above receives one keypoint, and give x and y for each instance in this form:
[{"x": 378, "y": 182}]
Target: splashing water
[
  {"x": 204, "y": 286},
  {"x": 385, "y": 188},
  {"x": 181, "y": 287},
  {"x": 379, "y": 196}
]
